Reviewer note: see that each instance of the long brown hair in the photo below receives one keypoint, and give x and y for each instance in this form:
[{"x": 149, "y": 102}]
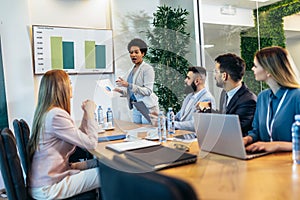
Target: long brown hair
[
  {"x": 276, "y": 61},
  {"x": 54, "y": 91}
]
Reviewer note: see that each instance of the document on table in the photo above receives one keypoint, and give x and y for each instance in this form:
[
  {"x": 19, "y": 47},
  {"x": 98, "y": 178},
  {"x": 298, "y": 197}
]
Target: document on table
[{"x": 125, "y": 146}]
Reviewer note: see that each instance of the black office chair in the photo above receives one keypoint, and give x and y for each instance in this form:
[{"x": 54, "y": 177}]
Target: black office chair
[
  {"x": 125, "y": 184},
  {"x": 26, "y": 131},
  {"x": 11, "y": 167},
  {"x": 22, "y": 132}
]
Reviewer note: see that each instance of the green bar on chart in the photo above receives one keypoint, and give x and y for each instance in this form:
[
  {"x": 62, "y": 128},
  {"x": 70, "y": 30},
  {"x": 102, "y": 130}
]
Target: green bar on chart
[
  {"x": 100, "y": 57},
  {"x": 68, "y": 55},
  {"x": 90, "y": 55},
  {"x": 56, "y": 52}
]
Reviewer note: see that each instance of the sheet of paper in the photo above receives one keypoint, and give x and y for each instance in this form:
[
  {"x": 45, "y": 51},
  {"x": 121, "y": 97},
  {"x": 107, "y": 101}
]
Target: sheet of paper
[{"x": 106, "y": 85}]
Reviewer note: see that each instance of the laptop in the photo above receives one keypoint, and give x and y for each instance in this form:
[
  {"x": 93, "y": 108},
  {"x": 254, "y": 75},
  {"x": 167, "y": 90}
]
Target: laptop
[
  {"x": 140, "y": 106},
  {"x": 160, "y": 157},
  {"x": 221, "y": 134}
]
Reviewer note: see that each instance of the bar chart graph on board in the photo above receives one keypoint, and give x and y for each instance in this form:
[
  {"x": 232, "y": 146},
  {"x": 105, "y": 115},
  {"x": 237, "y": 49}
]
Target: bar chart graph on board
[{"x": 75, "y": 50}]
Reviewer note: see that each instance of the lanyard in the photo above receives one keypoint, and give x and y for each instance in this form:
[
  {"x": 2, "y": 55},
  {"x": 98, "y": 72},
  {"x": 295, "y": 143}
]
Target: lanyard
[{"x": 270, "y": 125}]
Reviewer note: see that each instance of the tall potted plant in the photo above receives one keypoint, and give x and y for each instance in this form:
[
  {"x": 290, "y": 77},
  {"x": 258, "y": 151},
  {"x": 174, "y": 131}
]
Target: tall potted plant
[{"x": 168, "y": 42}]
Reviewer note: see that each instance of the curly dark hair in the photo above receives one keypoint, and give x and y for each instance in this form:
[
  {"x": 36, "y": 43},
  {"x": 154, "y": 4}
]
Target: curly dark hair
[{"x": 139, "y": 43}]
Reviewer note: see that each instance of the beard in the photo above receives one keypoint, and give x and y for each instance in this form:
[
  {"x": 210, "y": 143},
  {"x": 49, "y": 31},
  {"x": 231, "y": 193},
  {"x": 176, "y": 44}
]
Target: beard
[
  {"x": 190, "y": 88},
  {"x": 219, "y": 84}
]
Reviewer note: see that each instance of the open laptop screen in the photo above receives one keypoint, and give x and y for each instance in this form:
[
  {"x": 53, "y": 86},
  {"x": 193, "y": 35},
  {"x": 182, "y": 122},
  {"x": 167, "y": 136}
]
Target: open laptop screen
[{"x": 220, "y": 133}]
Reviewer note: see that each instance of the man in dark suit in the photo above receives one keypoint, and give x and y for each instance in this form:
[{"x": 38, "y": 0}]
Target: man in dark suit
[{"x": 236, "y": 98}]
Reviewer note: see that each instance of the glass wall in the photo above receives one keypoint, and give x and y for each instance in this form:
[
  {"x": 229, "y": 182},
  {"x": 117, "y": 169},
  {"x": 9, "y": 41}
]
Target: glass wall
[
  {"x": 242, "y": 30},
  {"x": 219, "y": 28},
  {"x": 131, "y": 19}
]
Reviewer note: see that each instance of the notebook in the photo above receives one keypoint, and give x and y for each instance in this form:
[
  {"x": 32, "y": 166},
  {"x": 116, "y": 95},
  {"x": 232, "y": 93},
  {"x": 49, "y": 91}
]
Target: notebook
[
  {"x": 111, "y": 137},
  {"x": 140, "y": 106},
  {"x": 222, "y": 134},
  {"x": 160, "y": 157},
  {"x": 126, "y": 146}
]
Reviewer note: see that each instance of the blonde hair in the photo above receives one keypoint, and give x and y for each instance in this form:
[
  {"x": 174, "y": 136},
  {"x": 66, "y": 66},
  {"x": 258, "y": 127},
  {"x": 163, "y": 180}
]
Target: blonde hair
[
  {"x": 54, "y": 91},
  {"x": 278, "y": 63}
]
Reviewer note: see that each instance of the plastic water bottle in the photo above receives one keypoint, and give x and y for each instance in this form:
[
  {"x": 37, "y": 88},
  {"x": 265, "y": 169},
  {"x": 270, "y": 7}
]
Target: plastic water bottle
[
  {"x": 161, "y": 129},
  {"x": 100, "y": 116},
  {"x": 296, "y": 139},
  {"x": 164, "y": 131},
  {"x": 170, "y": 121},
  {"x": 109, "y": 116}
]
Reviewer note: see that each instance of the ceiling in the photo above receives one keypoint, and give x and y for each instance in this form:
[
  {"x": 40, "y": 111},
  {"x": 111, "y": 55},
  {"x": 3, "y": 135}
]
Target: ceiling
[{"x": 238, "y": 3}]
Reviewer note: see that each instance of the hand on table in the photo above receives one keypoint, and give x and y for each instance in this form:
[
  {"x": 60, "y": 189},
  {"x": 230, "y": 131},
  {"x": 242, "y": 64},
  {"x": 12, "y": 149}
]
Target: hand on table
[{"x": 262, "y": 146}]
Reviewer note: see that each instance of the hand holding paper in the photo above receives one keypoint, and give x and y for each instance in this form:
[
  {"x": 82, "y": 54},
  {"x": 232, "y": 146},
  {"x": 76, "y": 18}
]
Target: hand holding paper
[
  {"x": 121, "y": 82},
  {"x": 106, "y": 85}
]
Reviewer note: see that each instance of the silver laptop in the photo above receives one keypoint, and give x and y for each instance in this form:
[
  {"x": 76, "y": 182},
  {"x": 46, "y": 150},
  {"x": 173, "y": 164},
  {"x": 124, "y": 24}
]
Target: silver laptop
[{"x": 219, "y": 133}]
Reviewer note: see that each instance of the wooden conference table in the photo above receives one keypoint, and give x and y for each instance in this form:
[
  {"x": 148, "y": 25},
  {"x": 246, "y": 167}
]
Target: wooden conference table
[{"x": 215, "y": 176}]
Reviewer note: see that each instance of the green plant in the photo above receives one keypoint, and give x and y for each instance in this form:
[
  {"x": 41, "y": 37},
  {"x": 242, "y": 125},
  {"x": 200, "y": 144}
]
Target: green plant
[
  {"x": 271, "y": 33},
  {"x": 168, "y": 46}
]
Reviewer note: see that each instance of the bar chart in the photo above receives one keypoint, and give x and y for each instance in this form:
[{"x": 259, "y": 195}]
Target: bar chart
[{"x": 74, "y": 50}]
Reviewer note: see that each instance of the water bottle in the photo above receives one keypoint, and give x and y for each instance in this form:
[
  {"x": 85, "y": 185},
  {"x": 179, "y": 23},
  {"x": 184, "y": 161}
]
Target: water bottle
[
  {"x": 170, "y": 121},
  {"x": 296, "y": 139},
  {"x": 100, "y": 115},
  {"x": 109, "y": 116},
  {"x": 161, "y": 129}
]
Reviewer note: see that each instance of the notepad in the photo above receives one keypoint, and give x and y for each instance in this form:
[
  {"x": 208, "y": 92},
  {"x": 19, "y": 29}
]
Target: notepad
[
  {"x": 160, "y": 157},
  {"x": 126, "y": 146},
  {"x": 111, "y": 138}
]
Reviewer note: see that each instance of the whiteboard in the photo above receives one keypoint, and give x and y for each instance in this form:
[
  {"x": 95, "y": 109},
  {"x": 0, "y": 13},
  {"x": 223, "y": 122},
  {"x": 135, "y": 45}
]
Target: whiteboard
[{"x": 74, "y": 50}]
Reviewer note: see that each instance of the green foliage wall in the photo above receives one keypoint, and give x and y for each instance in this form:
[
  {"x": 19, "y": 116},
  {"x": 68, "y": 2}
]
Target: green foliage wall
[
  {"x": 271, "y": 33},
  {"x": 168, "y": 47}
]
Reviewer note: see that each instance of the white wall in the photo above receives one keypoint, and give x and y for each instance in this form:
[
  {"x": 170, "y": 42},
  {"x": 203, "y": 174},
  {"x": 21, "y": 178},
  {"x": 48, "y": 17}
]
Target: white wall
[
  {"x": 293, "y": 37},
  {"x": 17, "y": 62},
  {"x": 74, "y": 13},
  {"x": 16, "y": 19},
  {"x": 293, "y": 46}
]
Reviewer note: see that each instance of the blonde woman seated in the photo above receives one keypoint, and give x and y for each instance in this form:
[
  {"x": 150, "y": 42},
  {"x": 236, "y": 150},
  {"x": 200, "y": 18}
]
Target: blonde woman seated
[
  {"x": 277, "y": 106},
  {"x": 54, "y": 138}
]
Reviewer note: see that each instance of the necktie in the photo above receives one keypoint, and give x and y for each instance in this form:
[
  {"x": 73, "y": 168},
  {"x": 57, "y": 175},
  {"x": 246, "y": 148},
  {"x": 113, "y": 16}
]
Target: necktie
[{"x": 225, "y": 104}]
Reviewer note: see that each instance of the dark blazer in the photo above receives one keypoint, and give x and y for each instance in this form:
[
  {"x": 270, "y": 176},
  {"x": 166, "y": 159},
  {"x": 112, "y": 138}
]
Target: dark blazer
[{"x": 243, "y": 104}]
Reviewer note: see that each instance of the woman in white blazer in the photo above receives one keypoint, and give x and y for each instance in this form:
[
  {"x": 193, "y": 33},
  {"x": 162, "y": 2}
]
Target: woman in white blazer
[{"x": 138, "y": 85}]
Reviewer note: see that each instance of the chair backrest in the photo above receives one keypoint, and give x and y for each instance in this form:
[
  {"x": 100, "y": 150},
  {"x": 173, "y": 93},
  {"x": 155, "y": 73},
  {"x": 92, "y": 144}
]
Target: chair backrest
[
  {"x": 22, "y": 132},
  {"x": 26, "y": 131},
  {"x": 11, "y": 167},
  {"x": 122, "y": 184}
]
